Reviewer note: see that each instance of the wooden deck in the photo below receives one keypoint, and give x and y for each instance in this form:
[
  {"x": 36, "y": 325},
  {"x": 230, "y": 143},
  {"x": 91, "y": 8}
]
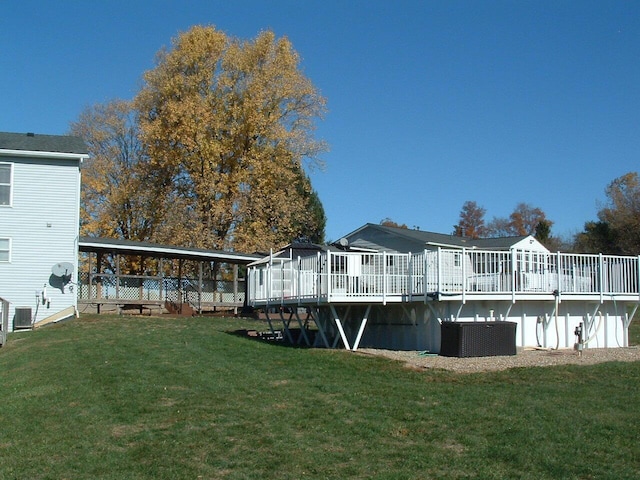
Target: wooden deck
[{"x": 147, "y": 294}]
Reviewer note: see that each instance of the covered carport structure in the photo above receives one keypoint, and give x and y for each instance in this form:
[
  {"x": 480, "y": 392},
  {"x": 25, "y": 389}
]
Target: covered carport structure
[{"x": 124, "y": 275}]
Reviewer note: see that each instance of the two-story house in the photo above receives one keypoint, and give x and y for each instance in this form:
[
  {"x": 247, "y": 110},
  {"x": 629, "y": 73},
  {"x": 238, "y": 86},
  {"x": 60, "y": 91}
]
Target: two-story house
[{"x": 39, "y": 225}]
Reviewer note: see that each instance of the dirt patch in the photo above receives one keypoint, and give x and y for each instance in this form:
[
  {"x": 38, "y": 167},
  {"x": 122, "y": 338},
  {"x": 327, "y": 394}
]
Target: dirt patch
[{"x": 525, "y": 358}]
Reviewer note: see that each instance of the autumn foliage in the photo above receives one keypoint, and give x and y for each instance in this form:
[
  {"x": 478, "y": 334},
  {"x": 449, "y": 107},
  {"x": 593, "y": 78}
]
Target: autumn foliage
[{"x": 216, "y": 142}]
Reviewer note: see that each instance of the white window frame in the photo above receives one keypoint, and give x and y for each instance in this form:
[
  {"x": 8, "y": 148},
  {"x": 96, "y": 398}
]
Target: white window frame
[
  {"x": 8, "y": 250},
  {"x": 10, "y": 185}
]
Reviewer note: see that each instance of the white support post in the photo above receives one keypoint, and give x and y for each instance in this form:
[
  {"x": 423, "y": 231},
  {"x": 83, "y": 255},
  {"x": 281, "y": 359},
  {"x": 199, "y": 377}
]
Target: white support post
[
  {"x": 340, "y": 329},
  {"x": 299, "y": 282},
  {"x": 514, "y": 264},
  {"x": 328, "y": 275},
  {"x": 270, "y": 277},
  {"x": 464, "y": 275},
  {"x": 384, "y": 278},
  {"x": 601, "y": 268},
  {"x": 439, "y": 271},
  {"x": 410, "y": 276},
  {"x": 638, "y": 277},
  {"x": 318, "y": 277},
  {"x": 559, "y": 276},
  {"x": 425, "y": 277},
  {"x": 363, "y": 324},
  {"x": 282, "y": 267}
]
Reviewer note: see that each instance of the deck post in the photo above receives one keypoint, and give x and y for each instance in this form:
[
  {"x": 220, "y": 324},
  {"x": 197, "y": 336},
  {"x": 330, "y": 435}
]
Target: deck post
[
  {"x": 269, "y": 275},
  {"x": 439, "y": 272},
  {"x": 336, "y": 319},
  {"x": 363, "y": 324},
  {"x": 303, "y": 330},
  {"x": 200, "y": 287},
  {"x": 384, "y": 278},
  {"x": 316, "y": 318},
  {"x": 410, "y": 276},
  {"x": 559, "y": 279},
  {"x": 514, "y": 266},
  {"x": 266, "y": 314},
  {"x": 235, "y": 287},
  {"x": 299, "y": 287},
  {"x": 318, "y": 277},
  {"x": 142, "y": 274},
  {"x": 329, "y": 275},
  {"x": 98, "y": 279},
  {"x": 285, "y": 324},
  {"x": 464, "y": 275},
  {"x": 424, "y": 276},
  {"x": 638, "y": 276},
  {"x": 161, "y": 275},
  {"x": 601, "y": 268},
  {"x": 626, "y": 322}
]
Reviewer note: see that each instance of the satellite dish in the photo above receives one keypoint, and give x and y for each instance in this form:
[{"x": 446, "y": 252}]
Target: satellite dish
[
  {"x": 62, "y": 269},
  {"x": 61, "y": 275},
  {"x": 343, "y": 242}
]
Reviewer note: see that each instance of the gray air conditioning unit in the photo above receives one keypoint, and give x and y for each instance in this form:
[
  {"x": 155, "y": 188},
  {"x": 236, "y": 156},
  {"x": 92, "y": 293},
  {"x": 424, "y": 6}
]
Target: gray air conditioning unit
[{"x": 22, "y": 318}]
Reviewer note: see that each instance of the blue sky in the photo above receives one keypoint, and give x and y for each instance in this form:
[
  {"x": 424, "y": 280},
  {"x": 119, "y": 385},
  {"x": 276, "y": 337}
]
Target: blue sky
[{"x": 431, "y": 103}]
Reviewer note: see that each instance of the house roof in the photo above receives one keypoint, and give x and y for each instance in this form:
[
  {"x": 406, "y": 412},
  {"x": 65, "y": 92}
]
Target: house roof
[
  {"x": 423, "y": 238},
  {"x": 12, "y": 143}
]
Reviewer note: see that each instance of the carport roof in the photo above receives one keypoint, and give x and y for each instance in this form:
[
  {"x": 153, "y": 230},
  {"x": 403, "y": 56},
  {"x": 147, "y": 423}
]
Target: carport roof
[{"x": 128, "y": 247}]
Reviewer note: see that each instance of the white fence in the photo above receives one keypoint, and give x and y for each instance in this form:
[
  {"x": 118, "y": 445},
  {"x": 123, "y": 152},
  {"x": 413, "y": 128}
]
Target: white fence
[{"x": 344, "y": 276}]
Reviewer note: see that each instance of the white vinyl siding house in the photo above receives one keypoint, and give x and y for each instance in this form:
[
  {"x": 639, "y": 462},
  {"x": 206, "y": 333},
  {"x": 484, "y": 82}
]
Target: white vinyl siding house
[
  {"x": 386, "y": 287},
  {"x": 39, "y": 223}
]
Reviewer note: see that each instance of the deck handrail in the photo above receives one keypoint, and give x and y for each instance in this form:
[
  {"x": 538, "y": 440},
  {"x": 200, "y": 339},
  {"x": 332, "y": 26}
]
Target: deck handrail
[{"x": 343, "y": 276}]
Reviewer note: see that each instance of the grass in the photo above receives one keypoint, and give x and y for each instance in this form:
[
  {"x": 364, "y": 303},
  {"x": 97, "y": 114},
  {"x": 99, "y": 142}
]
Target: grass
[{"x": 154, "y": 398}]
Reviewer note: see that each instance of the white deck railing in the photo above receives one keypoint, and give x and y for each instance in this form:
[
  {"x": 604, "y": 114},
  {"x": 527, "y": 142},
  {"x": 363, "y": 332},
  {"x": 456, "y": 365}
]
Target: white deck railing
[{"x": 381, "y": 277}]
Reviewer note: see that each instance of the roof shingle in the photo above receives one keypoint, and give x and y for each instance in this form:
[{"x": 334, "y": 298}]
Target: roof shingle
[{"x": 42, "y": 143}]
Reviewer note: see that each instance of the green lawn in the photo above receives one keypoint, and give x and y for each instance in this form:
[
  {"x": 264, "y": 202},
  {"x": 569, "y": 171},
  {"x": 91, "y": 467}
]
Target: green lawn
[{"x": 152, "y": 398}]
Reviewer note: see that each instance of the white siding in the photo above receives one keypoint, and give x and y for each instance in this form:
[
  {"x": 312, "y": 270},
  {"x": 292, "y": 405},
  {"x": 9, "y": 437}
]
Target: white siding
[{"x": 42, "y": 224}]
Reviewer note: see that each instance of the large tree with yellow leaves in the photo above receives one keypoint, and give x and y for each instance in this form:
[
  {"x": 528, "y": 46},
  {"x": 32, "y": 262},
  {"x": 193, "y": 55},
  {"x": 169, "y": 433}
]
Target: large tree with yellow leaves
[{"x": 228, "y": 124}]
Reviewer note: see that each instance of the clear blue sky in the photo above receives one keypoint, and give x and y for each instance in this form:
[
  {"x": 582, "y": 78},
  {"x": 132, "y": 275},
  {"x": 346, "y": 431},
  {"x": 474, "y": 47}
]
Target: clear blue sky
[{"x": 431, "y": 103}]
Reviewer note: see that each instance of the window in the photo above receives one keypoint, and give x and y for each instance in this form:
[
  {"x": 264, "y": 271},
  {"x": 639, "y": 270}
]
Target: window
[
  {"x": 5, "y": 249},
  {"x": 5, "y": 183}
]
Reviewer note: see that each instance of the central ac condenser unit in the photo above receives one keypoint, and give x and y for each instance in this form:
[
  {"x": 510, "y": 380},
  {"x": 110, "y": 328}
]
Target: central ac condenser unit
[{"x": 22, "y": 318}]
